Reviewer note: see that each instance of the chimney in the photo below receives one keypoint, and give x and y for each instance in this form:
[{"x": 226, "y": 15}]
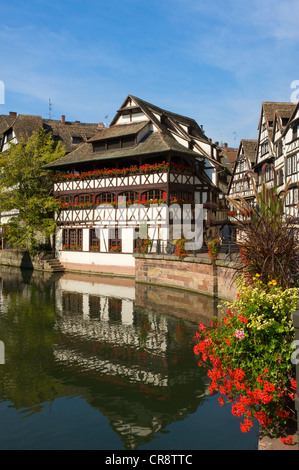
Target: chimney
[
  {"x": 63, "y": 119},
  {"x": 12, "y": 114}
]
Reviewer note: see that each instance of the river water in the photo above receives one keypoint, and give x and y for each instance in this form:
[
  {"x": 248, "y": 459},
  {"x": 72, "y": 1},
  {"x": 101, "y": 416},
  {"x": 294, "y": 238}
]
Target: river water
[{"x": 102, "y": 363}]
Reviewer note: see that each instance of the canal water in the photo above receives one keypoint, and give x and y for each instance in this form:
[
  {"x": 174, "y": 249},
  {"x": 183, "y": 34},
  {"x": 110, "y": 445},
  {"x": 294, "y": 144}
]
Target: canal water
[{"x": 102, "y": 363}]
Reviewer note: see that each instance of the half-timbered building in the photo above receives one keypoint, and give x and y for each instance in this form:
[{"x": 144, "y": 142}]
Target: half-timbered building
[
  {"x": 241, "y": 184},
  {"x": 151, "y": 159},
  {"x": 288, "y": 151},
  {"x": 272, "y": 114}
]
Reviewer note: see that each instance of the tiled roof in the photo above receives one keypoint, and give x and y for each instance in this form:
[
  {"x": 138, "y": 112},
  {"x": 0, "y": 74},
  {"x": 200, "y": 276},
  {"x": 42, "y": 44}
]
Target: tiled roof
[
  {"x": 270, "y": 107},
  {"x": 153, "y": 142},
  {"x": 160, "y": 141},
  {"x": 170, "y": 117},
  {"x": 5, "y": 123},
  {"x": 283, "y": 109},
  {"x": 24, "y": 125},
  {"x": 118, "y": 130},
  {"x": 67, "y": 131},
  {"x": 250, "y": 149}
]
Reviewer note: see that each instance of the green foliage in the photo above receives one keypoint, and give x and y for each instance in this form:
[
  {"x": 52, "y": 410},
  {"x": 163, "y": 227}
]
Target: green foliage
[
  {"x": 25, "y": 189},
  {"x": 248, "y": 353}
]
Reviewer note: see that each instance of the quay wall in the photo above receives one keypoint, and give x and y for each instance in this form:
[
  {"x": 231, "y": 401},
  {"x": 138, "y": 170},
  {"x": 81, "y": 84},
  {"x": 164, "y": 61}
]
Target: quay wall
[
  {"x": 200, "y": 275},
  {"x": 193, "y": 274}
]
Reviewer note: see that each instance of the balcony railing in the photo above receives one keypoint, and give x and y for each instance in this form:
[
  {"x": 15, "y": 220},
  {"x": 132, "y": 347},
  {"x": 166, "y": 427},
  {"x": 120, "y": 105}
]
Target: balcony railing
[{"x": 111, "y": 182}]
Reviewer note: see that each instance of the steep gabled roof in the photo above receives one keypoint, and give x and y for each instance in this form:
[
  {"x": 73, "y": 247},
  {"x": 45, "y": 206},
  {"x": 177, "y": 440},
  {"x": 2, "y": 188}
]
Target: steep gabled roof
[
  {"x": 169, "y": 119},
  {"x": 168, "y": 127},
  {"x": 282, "y": 118},
  {"x": 270, "y": 108},
  {"x": 250, "y": 148}
]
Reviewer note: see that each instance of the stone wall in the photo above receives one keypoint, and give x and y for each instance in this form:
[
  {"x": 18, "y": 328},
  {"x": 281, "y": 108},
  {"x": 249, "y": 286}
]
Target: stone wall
[
  {"x": 22, "y": 259},
  {"x": 198, "y": 275}
]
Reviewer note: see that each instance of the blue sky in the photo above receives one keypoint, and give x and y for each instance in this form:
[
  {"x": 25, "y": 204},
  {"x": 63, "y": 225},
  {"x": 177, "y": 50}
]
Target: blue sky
[{"x": 213, "y": 61}]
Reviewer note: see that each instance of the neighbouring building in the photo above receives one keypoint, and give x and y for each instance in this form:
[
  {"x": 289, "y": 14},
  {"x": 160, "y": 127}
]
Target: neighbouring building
[
  {"x": 240, "y": 184},
  {"x": 273, "y": 157},
  {"x": 287, "y": 148},
  {"x": 272, "y": 113},
  {"x": 156, "y": 160}
]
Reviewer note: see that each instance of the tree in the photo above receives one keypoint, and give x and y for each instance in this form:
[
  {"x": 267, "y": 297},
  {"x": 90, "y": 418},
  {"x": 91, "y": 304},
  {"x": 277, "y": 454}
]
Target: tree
[{"x": 25, "y": 190}]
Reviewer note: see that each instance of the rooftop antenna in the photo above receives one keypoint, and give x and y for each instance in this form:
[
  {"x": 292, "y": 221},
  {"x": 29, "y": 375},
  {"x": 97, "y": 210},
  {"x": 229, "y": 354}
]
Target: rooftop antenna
[
  {"x": 50, "y": 109},
  {"x": 235, "y": 137}
]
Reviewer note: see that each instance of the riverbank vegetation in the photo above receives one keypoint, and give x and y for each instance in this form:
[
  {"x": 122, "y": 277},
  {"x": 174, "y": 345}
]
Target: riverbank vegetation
[{"x": 26, "y": 191}]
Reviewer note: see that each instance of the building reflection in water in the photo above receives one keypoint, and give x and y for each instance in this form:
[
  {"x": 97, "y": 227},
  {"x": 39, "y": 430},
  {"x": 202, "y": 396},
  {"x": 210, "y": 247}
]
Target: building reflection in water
[{"x": 126, "y": 348}]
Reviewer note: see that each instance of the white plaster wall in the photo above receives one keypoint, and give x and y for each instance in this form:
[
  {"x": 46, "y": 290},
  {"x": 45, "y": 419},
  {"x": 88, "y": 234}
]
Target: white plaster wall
[
  {"x": 96, "y": 288},
  {"x": 97, "y": 259},
  {"x": 127, "y": 235}
]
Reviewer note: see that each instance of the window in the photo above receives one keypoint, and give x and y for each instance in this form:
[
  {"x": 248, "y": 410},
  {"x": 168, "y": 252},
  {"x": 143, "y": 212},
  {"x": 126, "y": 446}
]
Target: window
[
  {"x": 280, "y": 177},
  {"x": 279, "y": 149},
  {"x": 84, "y": 199},
  {"x": 77, "y": 140},
  {"x": 154, "y": 194},
  {"x": 99, "y": 146},
  {"x": 113, "y": 144},
  {"x": 181, "y": 195},
  {"x": 129, "y": 141},
  {"x": 294, "y": 164},
  {"x": 9, "y": 135},
  {"x": 106, "y": 197},
  {"x": 295, "y": 132},
  {"x": 94, "y": 240},
  {"x": 115, "y": 240},
  {"x": 291, "y": 165},
  {"x": 264, "y": 148},
  {"x": 65, "y": 199},
  {"x": 130, "y": 196},
  {"x": 292, "y": 197},
  {"x": 72, "y": 239}
]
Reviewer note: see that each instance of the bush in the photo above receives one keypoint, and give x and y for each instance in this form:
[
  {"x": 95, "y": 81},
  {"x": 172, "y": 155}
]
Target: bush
[{"x": 248, "y": 354}]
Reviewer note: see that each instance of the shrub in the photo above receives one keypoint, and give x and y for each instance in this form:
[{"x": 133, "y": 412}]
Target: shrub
[
  {"x": 213, "y": 248},
  {"x": 248, "y": 354},
  {"x": 180, "y": 250}
]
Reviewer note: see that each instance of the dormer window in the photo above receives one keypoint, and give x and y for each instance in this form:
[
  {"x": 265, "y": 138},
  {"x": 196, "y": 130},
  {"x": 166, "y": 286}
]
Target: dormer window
[
  {"x": 115, "y": 144},
  {"x": 9, "y": 135},
  {"x": 77, "y": 140},
  {"x": 285, "y": 121}
]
